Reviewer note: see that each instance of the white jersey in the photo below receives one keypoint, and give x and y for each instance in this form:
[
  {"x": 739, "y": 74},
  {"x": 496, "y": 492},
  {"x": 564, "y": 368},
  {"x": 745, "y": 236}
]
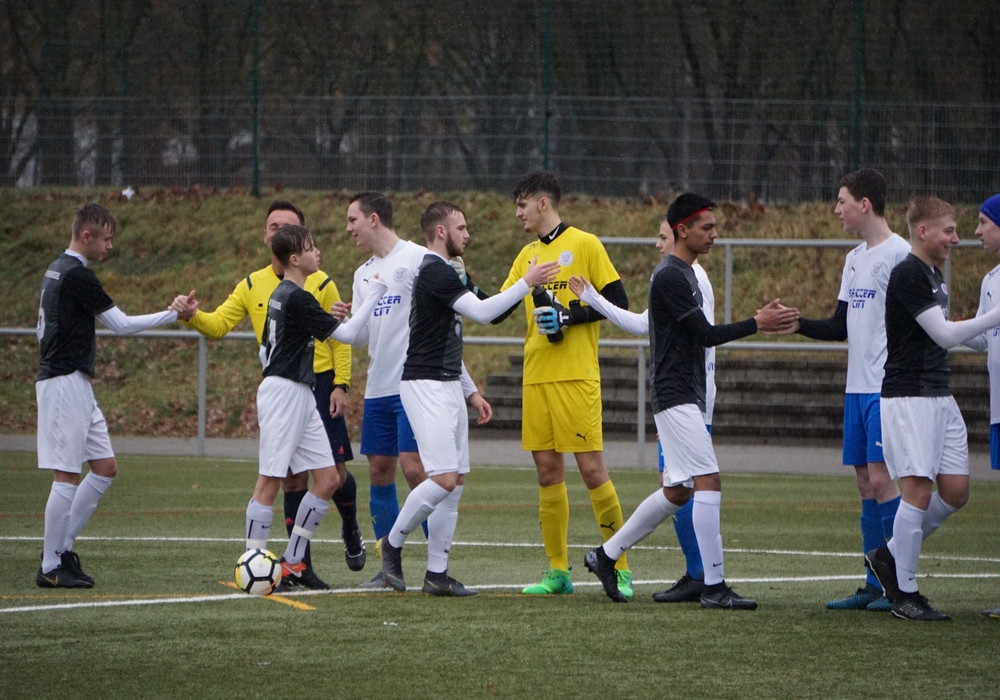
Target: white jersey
[
  {"x": 989, "y": 297},
  {"x": 638, "y": 324},
  {"x": 862, "y": 287},
  {"x": 389, "y": 326},
  {"x": 708, "y": 307}
]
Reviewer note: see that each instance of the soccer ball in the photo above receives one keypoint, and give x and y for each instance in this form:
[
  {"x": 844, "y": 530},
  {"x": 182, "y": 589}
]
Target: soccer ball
[{"x": 258, "y": 572}]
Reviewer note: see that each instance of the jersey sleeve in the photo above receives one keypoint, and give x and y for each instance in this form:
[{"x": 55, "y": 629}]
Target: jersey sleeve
[
  {"x": 913, "y": 290},
  {"x": 226, "y": 316},
  {"x": 602, "y": 271},
  {"x": 311, "y": 316},
  {"x": 332, "y": 352},
  {"x": 84, "y": 286},
  {"x": 631, "y": 322}
]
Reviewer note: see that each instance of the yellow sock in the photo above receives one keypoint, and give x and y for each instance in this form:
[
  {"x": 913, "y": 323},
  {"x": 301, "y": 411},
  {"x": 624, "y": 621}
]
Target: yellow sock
[
  {"x": 608, "y": 512},
  {"x": 553, "y": 517}
]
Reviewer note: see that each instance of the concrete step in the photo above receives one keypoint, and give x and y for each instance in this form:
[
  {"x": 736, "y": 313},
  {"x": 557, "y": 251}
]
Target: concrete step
[{"x": 757, "y": 397}]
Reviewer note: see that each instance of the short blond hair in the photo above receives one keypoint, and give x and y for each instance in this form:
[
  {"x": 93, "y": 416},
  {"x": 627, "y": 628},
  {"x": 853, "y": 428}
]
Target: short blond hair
[
  {"x": 92, "y": 216},
  {"x": 926, "y": 208}
]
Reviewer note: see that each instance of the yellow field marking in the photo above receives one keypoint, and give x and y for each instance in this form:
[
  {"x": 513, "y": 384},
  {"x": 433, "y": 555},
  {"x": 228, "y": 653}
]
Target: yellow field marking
[{"x": 276, "y": 598}]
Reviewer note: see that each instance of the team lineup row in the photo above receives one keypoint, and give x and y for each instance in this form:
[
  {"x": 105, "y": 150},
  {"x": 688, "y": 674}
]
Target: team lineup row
[{"x": 408, "y": 302}]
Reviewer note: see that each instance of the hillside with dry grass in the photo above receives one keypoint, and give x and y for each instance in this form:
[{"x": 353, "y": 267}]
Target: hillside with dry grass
[{"x": 171, "y": 241}]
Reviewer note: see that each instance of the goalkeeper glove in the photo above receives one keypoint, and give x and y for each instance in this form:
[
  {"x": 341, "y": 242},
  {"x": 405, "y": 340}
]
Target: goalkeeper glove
[
  {"x": 459, "y": 265},
  {"x": 550, "y": 315}
]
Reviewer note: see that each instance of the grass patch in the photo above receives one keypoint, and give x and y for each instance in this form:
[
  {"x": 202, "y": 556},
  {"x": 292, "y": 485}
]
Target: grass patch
[{"x": 170, "y": 529}]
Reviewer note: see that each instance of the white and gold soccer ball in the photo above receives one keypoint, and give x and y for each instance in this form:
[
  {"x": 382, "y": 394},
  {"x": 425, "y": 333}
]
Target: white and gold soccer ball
[{"x": 258, "y": 572}]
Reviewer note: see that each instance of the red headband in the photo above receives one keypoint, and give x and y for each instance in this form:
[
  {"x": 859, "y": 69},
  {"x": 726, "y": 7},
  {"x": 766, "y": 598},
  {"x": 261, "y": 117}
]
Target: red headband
[{"x": 690, "y": 216}]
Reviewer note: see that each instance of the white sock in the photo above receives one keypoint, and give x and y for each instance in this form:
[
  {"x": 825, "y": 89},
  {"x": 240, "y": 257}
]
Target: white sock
[
  {"x": 419, "y": 504},
  {"x": 259, "y": 519},
  {"x": 937, "y": 512},
  {"x": 705, "y": 516},
  {"x": 88, "y": 495},
  {"x": 441, "y": 531},
  {"x": 907, "y": 536},
  {"x": 646, "y": 518},
  {"x": 307, "y": 519},
  {"x": 56, "y": 523}
]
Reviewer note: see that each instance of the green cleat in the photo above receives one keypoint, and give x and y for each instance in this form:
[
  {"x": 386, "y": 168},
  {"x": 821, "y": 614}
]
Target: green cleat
[
  {"x": 880, "y": 605},
  {"x": 860, "y": 600},
  {"x": 625, "y": 583},
  {"x": 556, "y": 582}
]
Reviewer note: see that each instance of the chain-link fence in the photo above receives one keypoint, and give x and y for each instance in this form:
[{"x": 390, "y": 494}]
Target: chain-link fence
[{"x": 775, "y": 151}]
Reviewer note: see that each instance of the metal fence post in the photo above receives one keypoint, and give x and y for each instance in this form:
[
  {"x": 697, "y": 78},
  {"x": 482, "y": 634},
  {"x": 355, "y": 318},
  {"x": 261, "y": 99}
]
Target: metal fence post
[
  {"x": 202, "y": 390},
  {"x": 640, "y": 448}
]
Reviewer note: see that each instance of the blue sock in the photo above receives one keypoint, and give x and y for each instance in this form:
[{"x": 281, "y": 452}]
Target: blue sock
[
  {"x": 684, "y": 528},
  {"x": 872, "y": 536},
  {"x": 887, "y": 512},
  {"x": 384, "y": 508}
]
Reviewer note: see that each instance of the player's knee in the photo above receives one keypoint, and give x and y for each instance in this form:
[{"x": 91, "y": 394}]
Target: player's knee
[
  {"x": 325, "y": 482},
  {"x": 296, "y": 482},
  {"x": 108, "y": 468}
]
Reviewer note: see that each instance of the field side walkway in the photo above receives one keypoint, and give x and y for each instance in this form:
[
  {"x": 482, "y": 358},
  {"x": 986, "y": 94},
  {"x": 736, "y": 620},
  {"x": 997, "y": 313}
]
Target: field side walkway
[{"x": 793, "y": 458}]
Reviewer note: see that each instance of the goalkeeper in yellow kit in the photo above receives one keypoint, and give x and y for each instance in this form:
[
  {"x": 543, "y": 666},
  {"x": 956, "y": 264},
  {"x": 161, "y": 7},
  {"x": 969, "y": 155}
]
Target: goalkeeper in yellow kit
[
  {"x": 561, "y": 407},
  {"x": 332, "y": 367}
]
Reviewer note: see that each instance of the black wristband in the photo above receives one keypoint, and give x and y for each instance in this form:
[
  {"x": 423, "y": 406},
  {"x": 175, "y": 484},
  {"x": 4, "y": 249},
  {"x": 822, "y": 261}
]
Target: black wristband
[{"x": 342, "y": 386}]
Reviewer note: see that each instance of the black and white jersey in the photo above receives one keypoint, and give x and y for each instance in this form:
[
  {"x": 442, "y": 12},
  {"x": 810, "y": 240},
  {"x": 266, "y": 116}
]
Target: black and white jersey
[
  {"x": 435, "y": 349},
  {"x": 71, "y": 298},
  {"x": 915, "y": 365},
  {"x": 679, "y": 334},
  {"x": 294, "y": 319}
]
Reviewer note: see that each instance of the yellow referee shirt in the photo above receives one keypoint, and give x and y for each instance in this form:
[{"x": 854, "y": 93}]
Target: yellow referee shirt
[{"x": 250, "y": 297}]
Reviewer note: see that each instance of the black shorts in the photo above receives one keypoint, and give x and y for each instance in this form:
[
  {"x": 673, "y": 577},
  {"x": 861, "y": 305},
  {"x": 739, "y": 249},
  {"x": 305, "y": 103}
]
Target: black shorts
[{"x": 336, "y": 428}]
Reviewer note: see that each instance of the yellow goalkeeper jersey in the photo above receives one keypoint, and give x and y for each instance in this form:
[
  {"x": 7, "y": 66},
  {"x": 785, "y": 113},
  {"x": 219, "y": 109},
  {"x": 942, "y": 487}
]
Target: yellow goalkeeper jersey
[
  {"x": 250, "y": 297},
  {"x": 575, "y": 356}
]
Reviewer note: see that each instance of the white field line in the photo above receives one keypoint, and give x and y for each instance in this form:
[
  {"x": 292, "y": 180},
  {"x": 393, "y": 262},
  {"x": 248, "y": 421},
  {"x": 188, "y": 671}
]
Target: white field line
[
  {"x": 486, "y": 587},
  {"x": 491, "y": 587}
]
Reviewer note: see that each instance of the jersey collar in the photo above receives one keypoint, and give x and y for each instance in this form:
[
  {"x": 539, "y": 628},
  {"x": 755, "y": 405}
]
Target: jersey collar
[{"x": 554, "y": 233}]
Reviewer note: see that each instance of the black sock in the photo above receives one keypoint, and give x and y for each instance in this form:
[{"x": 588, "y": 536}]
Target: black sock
[{"x": 345, "y": 499}]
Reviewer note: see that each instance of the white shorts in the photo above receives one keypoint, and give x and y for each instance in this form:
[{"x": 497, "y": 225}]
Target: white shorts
[
  {"x": 440, "y": 421},
  {"x": 71, "y": 427},
  {"x": 292, "y": 435},
  {"x": 687, "y": 446},
  {"x": 924, "y": 436}
]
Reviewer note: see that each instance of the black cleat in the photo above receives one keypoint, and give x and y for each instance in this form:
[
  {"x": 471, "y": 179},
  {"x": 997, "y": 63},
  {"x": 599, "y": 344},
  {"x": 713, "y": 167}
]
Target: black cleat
[
  {"x": 444, "y": 585},
  {"x": 603, "y": 567},
  {"x": 392, "y": 565},
  {"x": 722, "y": 596},
  {"x": 881, "y": 563},
  {"x": 354, "y": 548},
  {"x": 61, "y": 577},
  {"x": 913, "y": 606},
  {"x": 376, "y": 582},
  {"x": 300, "y": 574},
  {"x": 687, "y": 590},
  {"x": 71, "y": 562}
]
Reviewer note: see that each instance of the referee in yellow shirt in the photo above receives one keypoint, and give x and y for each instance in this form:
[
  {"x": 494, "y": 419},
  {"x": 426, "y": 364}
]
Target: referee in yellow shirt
[{"x": 332, "y": 366}]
